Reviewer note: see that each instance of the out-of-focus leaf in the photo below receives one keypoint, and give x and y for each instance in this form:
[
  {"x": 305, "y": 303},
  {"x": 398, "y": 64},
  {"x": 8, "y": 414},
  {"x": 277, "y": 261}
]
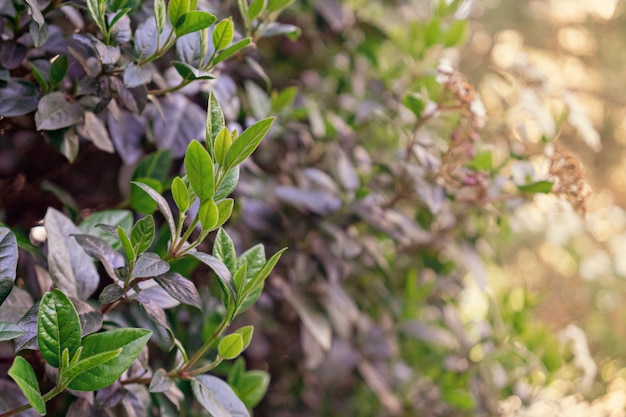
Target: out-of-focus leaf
[
  {"x": 114, "y": 218},
  {"x": 55, "y": 111},
  {"x": 160, "y": 381},
  {"x": 35, "y": 12},
  {"x": 38, "y": 34},
  {"x": 318, "y": 202},
  {"x": 539, "y": 187},
  {"x": 9, "y": 331},
  {"x": 12, "y": 54},
  {"x": 93, "y": 128},
  {"x": 127, "y": 130},
  {"x": 8, "y": 262},
  {"x": 135, "y": 75},
  {"x": 217, "y": 397},
  {"x": 18, "y": 97},
  {"x": 275, "y": 29},
  {"x": 184, "y": 121},
  {"x": 71, "y": 269}
]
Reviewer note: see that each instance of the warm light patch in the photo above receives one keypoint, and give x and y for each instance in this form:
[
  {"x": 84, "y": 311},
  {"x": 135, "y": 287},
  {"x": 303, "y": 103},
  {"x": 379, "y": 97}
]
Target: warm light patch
[{"x": 576, "y": 40}]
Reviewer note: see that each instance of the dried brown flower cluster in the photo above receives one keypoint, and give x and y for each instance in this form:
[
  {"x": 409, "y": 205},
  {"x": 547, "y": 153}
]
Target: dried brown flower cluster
[
  {"x": 569, "y": 178},
  {"x": 460, "y": 96}
]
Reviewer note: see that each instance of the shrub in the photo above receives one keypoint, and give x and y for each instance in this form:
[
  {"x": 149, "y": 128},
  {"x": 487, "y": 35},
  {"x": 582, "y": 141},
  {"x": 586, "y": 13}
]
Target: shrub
[{"x": 382, "y": 174}]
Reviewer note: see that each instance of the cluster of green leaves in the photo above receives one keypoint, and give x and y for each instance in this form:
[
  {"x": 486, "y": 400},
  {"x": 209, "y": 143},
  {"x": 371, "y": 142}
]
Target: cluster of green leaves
[{"x": 88, "y": 359}]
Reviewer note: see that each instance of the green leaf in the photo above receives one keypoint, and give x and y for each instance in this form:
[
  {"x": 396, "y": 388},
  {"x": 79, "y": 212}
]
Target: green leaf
[
  {"x": 223, "y": 140},
  {"x": 41, "y": 80},
  {"x": 223, "y": 34},
  {"x": 229, "y": 183},
  {"x": 58, "y": 327},
  {"x": 246, "y": 333},
  {"x": 263, "y": 273},
  {"x": 415, "y": 103},
  {"x": 180, "y": 288},
  {"x": 278, "y": 5},
  {"x": 90, "y": 225},
  {"x": 55, "y": 111},
  {"x": 88, "y": 363},
  {"x": 252, "y": 387},
  {"x": 284, "y": 99},
  {"x": 254, "y": 258},
  {"x": 129, "y": 250},
  {"x": 224, "y": 250},
  {"x": 149, "y": 265},
  {"x": 200, "y": 170},
  {"x": 231, "y": 50},
  {"x": 214, "y": 121},
  {"x": 247, "y": 142},
  {"x": 221, "y": 271},
  {"x": 456, "y": 33},
  {"x": 160, "y": 14},
  {"x": 58, "y": 69},
  {"x": 539, "y": 187},
  {"x": 161, "y": 202},
  {"x": 208, "y": 214},
  {"x": 230, "y": 346},
  {"x": 140, "y": 201},
  {"x": 176, "y": 8},
  {"x": 8, "y": 261},
  {"x": 193, "y": 21},
  {"x": 225, "y": 209},
  {"x": 23, "y": 374},
  {"x": 240, "y": 277},
  {"x": 189, "y": 72},
  {"x": 142, "y": 235},
  {"x": 217, "y": 397},
  {"x": 9, "y": 331},
  {"x": 155, "y": 165},
  {"x": 432, "y": 31},
  {"x": 256, "y": 8},
  {"x": 131, "y": 341},
  {"x": 483, "y": 161},
  {"x": 180, "y": 194}
]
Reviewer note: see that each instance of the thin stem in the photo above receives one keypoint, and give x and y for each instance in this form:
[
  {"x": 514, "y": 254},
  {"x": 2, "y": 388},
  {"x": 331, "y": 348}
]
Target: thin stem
[
  {"x": 205, "y": 368},
  {"x": 205, "y": 347},
  {"x": 46, "y": 397}
]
